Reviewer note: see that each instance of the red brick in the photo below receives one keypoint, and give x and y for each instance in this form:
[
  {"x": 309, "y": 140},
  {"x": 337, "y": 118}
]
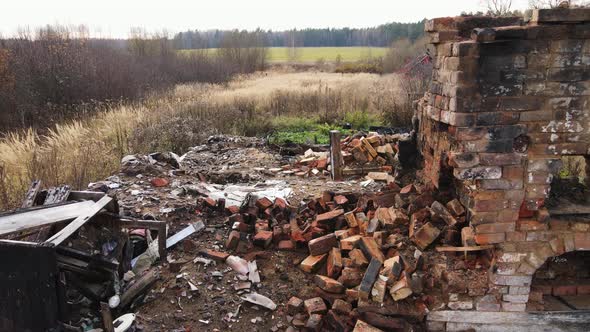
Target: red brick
[
  {"x": 340, "y": 199},
  {"x": 312, "y": 263},
  {"x": 542, "y": 288},
  {"x": 210, "y": 202},
  {"x": 527, "y": 225},
  {"x": 334, "y": 265},
  {"x": 583, "y": 289},
  {"x": 280, "y": 203},
  {"x": 328, "y": 284},
  {"x": 456, "y": 208},
  {"x": 294, "y": 305},
  {"x": 214, "y": 255},
  {"x": 329, "y": 215},
  {"x": 490, "y": 238},
  {"x": 582, "y": 241},
  {"x": 322, "y": 164},
  {"x": 323, "y": 244},
  {"x": 408, "y": 189},
  {"x": 565, "y": 290},
  {"x": 315, "y": 306},
  {"x": 286, "y": 245},
  {"x": 559, "y": 225},
  {"x": 232, "y": 209},
  {"x": 263, "y": 238},
  {"x": 350, "y": 277},
  {"x": 516, "y": 236},
  {"x": 424, "y": 236},
  {"x": 232, "y": 240},
  {"x": 159, "y": 182},
  {"x": 263, "y": 203},
  {"x": 495, "y": 228}
]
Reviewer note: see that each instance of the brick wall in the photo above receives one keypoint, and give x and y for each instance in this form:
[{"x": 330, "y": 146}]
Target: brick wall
[{"x": 507, "y": 100}]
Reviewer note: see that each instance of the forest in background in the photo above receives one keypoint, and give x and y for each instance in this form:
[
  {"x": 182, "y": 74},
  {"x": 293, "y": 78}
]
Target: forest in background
[{"x": 379, "y": 36}]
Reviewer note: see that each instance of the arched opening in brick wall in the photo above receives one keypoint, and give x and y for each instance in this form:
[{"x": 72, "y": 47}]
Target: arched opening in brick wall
[{"x": 562, "y": 283}]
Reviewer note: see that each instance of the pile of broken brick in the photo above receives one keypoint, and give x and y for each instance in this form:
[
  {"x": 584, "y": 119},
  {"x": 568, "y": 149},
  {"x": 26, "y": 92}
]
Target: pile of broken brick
[
  {"x": 367, "y": 251},
  {"x": 361, "y": 153}
]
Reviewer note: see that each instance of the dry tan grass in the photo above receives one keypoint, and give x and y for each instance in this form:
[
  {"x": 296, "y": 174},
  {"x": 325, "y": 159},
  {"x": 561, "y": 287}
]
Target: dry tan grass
[{"x": 84, "y": 151}]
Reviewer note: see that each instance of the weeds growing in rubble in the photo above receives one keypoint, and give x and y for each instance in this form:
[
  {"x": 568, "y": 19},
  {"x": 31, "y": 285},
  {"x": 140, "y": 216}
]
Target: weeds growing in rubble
[{"x": 86, "y": 150}]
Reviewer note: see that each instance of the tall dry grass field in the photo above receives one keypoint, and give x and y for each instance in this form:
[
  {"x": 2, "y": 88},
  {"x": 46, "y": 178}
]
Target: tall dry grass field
[{"x": 82, "y": 151}]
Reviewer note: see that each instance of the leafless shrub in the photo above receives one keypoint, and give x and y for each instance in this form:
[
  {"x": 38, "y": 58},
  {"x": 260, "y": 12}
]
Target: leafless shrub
[
  {"x": 498, "y": 7},
  {"x": 402, "y": 52},
  {"x": 54, "y": 73},
  {"x": 538, "y": 4}
]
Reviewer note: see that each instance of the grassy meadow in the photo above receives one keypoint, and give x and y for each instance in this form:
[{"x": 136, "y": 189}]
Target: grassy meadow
[
  {"x": 314, "y": 54},
  {"x": 298, "y": 106}
]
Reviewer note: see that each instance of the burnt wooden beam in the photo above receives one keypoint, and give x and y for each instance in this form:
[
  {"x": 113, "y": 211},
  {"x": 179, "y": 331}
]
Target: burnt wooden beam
[
  {"x": 140, "y": 286},
  {"x": 57, "y": 195},
  {"x": 336, "y": 160},
  {"x": 107, "y": 318},
  {"x": 32, "y": 194},
  {"x": 95, "y": 260},
  {"x": 54, "y": 196}
]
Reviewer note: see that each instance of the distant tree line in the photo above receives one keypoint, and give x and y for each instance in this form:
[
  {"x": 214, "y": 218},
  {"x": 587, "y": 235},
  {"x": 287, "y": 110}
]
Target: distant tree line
[{"x": 380, "y": 36}]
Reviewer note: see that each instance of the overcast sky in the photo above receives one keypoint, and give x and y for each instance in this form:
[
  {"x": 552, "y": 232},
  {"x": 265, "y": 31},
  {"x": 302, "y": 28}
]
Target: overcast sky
[{"x": 113, "y": 18}]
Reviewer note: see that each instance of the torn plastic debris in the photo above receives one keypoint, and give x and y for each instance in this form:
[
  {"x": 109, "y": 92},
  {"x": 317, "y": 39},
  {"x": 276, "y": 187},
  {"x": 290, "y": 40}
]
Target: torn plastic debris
[
  {"x": 260, "y": 300},
  {"x": 143, "y": 262},
  {"x": 238, "y": 264},
  {"x": 124, "y": 322},
  {"x": 236, "y": 195}
]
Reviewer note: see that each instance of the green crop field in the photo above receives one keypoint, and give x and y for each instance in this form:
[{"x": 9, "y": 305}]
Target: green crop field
[{"x": 313, "y": 54}]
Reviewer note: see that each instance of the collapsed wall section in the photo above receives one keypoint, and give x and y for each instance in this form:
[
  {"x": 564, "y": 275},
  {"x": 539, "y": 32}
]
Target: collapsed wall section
[{"x": 507, "y": 101}]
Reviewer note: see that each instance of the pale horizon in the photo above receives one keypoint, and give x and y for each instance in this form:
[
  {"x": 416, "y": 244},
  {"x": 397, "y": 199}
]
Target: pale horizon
[{"x": 114, "y": 19}]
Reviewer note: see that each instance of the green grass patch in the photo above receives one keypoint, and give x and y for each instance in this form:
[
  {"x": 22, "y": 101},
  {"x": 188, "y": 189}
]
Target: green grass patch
[
  {"x": 302, "y": 131},
  {"x": 313, "y": 54}
]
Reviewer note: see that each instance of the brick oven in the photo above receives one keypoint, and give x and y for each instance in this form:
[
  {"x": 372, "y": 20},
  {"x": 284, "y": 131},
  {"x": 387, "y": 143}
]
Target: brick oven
[{"x": 508, "y": 100}]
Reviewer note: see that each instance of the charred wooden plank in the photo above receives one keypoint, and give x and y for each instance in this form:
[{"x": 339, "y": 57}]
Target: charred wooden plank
[
  {"x": 140, "y": 286},
  {"x": 54, "y": 196},
  {"x": 28, "y": 275},
  {"x": 31, "y": 194}
]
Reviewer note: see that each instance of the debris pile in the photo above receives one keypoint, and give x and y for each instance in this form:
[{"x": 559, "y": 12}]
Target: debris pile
[
  {"x": 367, "y": 251},
  {"x": 361, "y": 153},
  {"x": 363, "y": 258},
  {"x": 84, "y": 256}
]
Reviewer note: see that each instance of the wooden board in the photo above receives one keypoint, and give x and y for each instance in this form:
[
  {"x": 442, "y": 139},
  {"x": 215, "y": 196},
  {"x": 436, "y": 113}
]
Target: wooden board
[
  {"x": 38, "y": 217},
  {"x": 468, "y": 248},
  {"x": 79, "y": 221},
  {"x": 95, "y": 196}
]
